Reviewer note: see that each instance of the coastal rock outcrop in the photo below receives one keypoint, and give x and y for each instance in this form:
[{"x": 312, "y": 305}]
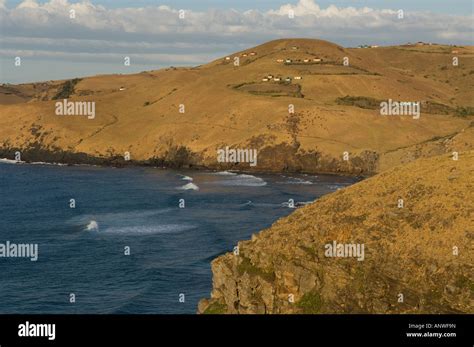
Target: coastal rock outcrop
[{"x": 414, "y": 229}]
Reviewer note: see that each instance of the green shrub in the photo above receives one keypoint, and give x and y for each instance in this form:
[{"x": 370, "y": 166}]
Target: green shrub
[
  {"x": 247, "y": 267},
  {"x": 359, "y": 101},
  {"x": 67, "y": 89},
  {"x": 310, "y": 303},
  {"x": 216, "y": 308}
]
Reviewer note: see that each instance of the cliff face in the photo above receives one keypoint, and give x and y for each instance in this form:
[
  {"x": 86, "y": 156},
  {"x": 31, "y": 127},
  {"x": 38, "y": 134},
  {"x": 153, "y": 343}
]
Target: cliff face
[{"x": 417, "y": 257}]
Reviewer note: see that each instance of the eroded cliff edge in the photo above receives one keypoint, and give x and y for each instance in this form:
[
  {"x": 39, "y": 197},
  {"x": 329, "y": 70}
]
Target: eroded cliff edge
[{"x": 417, "y": 258}]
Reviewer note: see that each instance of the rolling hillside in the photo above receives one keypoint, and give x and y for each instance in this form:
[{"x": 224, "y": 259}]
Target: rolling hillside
[{"x": 336, "y": 110}]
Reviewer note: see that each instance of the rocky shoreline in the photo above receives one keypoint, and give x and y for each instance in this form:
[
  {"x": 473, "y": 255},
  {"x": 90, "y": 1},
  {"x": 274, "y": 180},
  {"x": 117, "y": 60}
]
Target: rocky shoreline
[
  {"x": 363, "y": 165},
  {"x": 417, "y": 256}
]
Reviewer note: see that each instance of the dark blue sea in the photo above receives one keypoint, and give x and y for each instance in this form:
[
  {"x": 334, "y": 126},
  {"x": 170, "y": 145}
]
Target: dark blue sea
[{"x": 81, "y": 250}]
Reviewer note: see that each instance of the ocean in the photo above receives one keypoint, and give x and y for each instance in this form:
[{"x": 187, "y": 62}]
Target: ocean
[{"x": 127, "y": 246}]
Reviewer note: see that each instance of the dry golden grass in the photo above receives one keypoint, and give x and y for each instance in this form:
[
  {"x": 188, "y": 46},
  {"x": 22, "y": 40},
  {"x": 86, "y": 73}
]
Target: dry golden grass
[
  {"x": 144, "y": 118},
  {"x": 422, "y": 249}
]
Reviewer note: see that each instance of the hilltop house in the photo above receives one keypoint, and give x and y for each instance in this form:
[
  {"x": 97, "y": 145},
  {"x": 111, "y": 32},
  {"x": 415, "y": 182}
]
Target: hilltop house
[
  {"x": 280, "y": 60},
  {"x": 298, "y": 78},
  {"x": 288, "y": 61},
  {"x": 317, "y": 60},
  {"x": 253, "y": 53}
]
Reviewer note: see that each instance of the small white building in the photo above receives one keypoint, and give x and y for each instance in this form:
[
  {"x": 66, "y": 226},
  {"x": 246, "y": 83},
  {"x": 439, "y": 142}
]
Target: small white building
[
  {"x": 288, "y": 61},
  {"x": 317, "y": 60},
  {"x": 253, "y": 53},
  {"x": 298, "y": 78},
  {"x": 244, "y": 55},
  {"x": 122, "y": 88},
  {"x": 277, "y": 79},
  {"x": 227, "y": 58},
  {"x": 270, "y": 77},
  {"x": 280, "y": 60},
  {"x": 264, "y": 79},
  {"x": 288, "y": 79},
  {"x": 306, "y": 60}
]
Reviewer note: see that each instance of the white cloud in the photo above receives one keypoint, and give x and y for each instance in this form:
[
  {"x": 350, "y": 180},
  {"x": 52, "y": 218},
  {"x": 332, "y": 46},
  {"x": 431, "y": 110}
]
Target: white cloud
[
  {"x": 163, "y": 19},
  {"x": 310, "y": 7},
  {"x": 101, "y": 32},
  {"x": 28, "y": 4}
]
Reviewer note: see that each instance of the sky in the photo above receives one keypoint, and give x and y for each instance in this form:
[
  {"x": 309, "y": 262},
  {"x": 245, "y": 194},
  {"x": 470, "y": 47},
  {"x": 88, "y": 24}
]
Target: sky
[{"x": 52, "y": 45}]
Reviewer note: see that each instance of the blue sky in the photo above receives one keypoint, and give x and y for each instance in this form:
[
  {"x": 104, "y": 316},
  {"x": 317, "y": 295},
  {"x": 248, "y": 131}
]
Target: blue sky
[{"x": 54, "y": 46}]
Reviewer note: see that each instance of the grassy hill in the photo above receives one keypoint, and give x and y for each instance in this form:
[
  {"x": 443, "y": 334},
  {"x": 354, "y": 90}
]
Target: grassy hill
[
  {"x": 421, "y": 250},
  {"x": 227, "y": 105}
]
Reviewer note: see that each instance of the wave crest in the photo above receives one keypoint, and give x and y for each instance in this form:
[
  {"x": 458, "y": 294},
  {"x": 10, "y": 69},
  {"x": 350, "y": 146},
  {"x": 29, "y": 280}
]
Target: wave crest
[
  {"x": 189, "y": 186},
  {"x": 92, "y": 226}
]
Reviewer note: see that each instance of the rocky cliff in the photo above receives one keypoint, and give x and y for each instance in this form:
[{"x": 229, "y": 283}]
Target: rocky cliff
[{"x": 411, "y": 230}]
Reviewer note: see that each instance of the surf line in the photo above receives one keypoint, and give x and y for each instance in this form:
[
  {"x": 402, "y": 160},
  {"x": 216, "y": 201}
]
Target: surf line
[{"x": 19, "y": 250}]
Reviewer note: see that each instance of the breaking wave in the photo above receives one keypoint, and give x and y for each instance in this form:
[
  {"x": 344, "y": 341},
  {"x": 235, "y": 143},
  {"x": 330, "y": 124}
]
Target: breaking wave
[
  {"x": 92, "y": 226},
  {"x": 225, "y": 173},
  {"x": 186, "y": 178},
  {"x": 243, "y": 180},
  {"x": 148, "y": 229},
  {"x": 10, "y": 161},
  {"x": 189, "y": 186},
  {"x": 296, "y": 180}
]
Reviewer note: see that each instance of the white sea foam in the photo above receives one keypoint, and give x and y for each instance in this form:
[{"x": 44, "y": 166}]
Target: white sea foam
[
  {"x": 302, "y": 203},
  {"x": 10, "y": 161},
  {"x": 248, "y": 203},
  {"x": 225, "y": 173},
  {"x": 44, "y": 163},
  {"x": 336, "y": 186},
  {"x": 189, "y": 186},
  {"x": 287, "y": 204},
  {"x": 92, "y": 226},
  {"x": 148, "y": 229},
  {"x": 133, "y": 216},
  {"x": 244, "y": 180},
  {"x": 186, "y": 178},
  {"x": 296, "y": 180}
]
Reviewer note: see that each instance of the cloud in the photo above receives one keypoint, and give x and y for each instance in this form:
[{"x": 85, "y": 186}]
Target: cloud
[
  {"x": 310, "y": 7},
  {"x": 35, "y": 19},
  {"x": 158, "y": 32}
]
